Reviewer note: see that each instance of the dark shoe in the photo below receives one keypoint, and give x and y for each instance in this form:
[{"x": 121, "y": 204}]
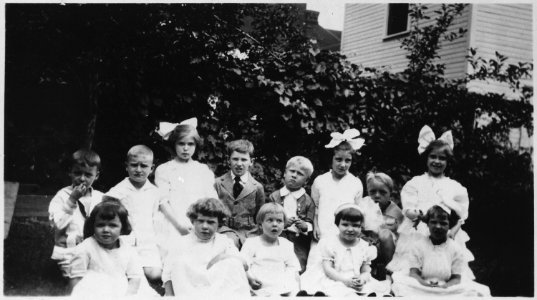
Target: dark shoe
[
  {"x": 302, "y": 293},
  {"x": 319, "y": 294},
  {"x": 372, "y": 294}
]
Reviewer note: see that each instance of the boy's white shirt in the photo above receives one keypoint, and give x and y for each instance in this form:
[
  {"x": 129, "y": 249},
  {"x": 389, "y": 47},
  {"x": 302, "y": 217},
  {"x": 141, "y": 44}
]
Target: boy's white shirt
[
  {"x": 290, "y": 207},
  {"x": 244, "y": 177}
]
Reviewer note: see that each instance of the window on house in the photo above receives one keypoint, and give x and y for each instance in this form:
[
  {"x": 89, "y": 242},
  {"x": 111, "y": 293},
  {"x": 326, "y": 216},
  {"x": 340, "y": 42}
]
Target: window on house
[{"x": 397, "y": 18}]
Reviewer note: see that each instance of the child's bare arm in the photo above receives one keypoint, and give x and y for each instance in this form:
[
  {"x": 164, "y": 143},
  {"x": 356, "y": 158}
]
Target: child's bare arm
[
  {"x": 166, "y": 209},
  {"x": 168, "y": 288},
  {"x": 134, "y": 285},
  {"x": 72, "y": 282},
  {"x": 330, "y": 271}
]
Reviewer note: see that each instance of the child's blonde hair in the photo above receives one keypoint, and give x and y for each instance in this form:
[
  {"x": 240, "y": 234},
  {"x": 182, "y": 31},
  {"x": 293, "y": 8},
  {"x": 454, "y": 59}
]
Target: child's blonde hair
[
  {"x": 301, "y": 162},
  {"x": 242, "y": 146},
  {"x": 380, "y": 177},
  {"x": 267, "y": 208},
  {"x": 139, "y": 150}
]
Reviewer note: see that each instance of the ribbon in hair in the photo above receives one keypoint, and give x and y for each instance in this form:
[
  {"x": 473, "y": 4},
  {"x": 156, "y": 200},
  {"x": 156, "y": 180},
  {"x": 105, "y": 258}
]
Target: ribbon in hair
[
  {"x": 427, "y": 136},
  {"x": 166, "y": 128},
  {"x": 350, "y": 136},
  {"x": 347, "y": 205}
]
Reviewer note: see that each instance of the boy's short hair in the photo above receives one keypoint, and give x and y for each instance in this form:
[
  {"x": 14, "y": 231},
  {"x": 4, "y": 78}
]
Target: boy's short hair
[
  {"x": 380, "y": 177},
  {"x": 139, "y": 150},
  {"x": 182, "y": 131},
  {"x": 242, "y": 146},
  {"x": 85, "y": 157},
  {"x": 350, "y": 214},
  {"x": 209, "y": 207},
  {"x": 108, "y": 209},
  {"x": 267, "y": 208},
  {"x": 302, "y": 163}
]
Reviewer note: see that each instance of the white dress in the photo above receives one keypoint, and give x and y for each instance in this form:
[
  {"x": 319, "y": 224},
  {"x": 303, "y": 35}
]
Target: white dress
[
  {"x": 422, "y": 192},
  {"x": 142, "y": 205},
  {"x": 347, "y": 261},
  {"x": 105, "y": 272},
  {"x": 328, "y": 194},
  {"x": 186, "y": 267},
  {"x": 436, "y": 263},
  {"x": 275, "y": 266}
]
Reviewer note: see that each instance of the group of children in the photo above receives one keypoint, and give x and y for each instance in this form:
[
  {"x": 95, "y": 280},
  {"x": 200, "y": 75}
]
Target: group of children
[{"x": 204, "y": 236}]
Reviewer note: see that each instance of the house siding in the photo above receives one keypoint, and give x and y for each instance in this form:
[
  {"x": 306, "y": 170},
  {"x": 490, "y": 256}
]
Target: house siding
[{"x": 364, "y": 43}]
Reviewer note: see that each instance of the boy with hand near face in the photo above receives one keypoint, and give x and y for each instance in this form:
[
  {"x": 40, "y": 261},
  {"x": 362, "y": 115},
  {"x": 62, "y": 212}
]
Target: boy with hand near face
[
  {"x": 72, "y": 205},
  {"x": 240, "y": 192},
  {"x": 298, "y": 206},
  {"x": 142, "y": 200}
]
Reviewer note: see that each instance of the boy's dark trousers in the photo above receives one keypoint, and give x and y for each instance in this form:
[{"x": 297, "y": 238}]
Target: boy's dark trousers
[{"x": 302, "y": 244}]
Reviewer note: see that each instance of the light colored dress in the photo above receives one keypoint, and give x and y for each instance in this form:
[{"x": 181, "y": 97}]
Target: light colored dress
[
  {"x": 275, "y": 266},
  {"x": 105, "y": 272},
  {"x": 186, "y": 267},
  {"x": 437, "y": 263},
  {"x": 347, "y": 261},
  {"x": 328, "y": 194},
  {"x": 422, "y": 192},
  {"x": 142, "y": 205}
]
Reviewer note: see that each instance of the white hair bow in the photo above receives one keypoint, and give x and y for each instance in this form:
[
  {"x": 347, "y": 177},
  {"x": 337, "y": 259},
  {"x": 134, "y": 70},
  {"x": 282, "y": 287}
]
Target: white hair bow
[
  {"x": 347, "y": 205},
  {"x": 166, "y": 128},
  {"x": 427, "y": 136},
  {"x": 350, "y": 136}
]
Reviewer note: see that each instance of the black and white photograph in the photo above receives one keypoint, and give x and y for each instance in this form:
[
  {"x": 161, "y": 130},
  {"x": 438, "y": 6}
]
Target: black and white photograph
[{"x": 268, "y": 149}]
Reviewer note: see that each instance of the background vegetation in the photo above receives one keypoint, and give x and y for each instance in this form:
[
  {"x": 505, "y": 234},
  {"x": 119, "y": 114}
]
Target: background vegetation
[{"x": 104, "y": 76}]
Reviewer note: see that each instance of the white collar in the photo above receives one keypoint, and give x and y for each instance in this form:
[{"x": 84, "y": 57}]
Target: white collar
[
  {"x": 284, "y": 191},
  {"x": 147, "y": 185},
  {"x": 244, "y": 178}
]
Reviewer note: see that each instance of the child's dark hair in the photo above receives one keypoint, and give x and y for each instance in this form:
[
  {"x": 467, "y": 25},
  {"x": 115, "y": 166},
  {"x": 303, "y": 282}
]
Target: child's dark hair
[
  {"x": 350, "y": 214},
  {"x": 437, "y": 211},
  {"x": 209, "y": 207},
  {"x": 344, "y": 146},
  {"x": 241, "y": 146},
  {"x": 85, "y": 157},
  {"x": 108, "y": 209},
  {"x": 436, "y": 144},
  {"x": 182, "y": 131}
]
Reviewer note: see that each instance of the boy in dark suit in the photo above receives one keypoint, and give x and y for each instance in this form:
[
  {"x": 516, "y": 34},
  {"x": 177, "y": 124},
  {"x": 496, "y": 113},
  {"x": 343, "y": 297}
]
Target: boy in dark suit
[
  {"x": 298, "y": 206},
  {"x": 240, "y": 192}
]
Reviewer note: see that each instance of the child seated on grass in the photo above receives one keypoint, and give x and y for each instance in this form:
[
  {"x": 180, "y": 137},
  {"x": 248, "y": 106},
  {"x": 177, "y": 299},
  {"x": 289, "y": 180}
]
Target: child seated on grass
[
  {"x": 71, "y": 205},
  {"x": 298, "y": 206},
  {"x": 272, "y": 264},
  {"x": 436, "y": 263}
]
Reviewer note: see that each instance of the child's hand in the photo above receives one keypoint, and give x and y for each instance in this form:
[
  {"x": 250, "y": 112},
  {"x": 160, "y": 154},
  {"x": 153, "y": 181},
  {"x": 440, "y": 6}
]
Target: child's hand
[
  {"x": 254, "y": 283},
  {"x": 291, "y": 221},
  {"x": 412, "y": 214},
  {"x": 316, "y": 233},
  {"x": 78, "y": 191},
  {"x": 300, "y": 224}
]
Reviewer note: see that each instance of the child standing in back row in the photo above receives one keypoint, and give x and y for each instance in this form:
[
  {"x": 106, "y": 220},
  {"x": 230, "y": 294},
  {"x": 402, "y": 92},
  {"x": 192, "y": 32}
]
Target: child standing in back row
[
  {"x": 71, "y": 205},
  {"x": 182, "y": 180},
  {"x": 141, "y": 199},
  {"x": 298, "y": 206},
  {"x": 240, "y": 192}
]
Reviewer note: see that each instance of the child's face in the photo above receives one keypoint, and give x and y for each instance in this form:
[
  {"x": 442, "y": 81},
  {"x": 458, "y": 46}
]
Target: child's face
[
  {"x": 83, "y": 175},
  {"x": 437, "y": 162},
  {"x": 341, "y": 162},
  {"x": 294, "y": 177},
  {"x": 107, "y": 232},
  {"x": 239, "y": 163},
  {"x": 438, "y": 226},
  {"x": 349, "y": 231},
  {"x": 139, "y": 167},
  {"x": 185, "y": 148},
  {"x": 378, "y": 191},
  {"x": 272, "y": 225},
  {"x": 205, "y": 227}
]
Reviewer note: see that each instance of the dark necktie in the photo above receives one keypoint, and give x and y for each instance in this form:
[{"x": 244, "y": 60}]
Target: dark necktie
[{"x": 237, "y": 187}]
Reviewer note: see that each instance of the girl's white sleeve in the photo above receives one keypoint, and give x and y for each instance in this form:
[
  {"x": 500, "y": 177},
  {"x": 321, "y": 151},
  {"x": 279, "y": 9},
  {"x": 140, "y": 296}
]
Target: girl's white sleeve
[
  {"x": 248, "y": 251},
  {"x": 291, "y": 264},
  {"x": 359, "y": 192},
  {"x": 161, "y": 179},
  {"x": 461, "y": 197},
  {"x": 209, "y": 183},
  {"x": 78, "y": 266},
  {"x": 409, "y": 196},
  {"x": 134, "y": 266},
  {"x": 315, "y": 195}
]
